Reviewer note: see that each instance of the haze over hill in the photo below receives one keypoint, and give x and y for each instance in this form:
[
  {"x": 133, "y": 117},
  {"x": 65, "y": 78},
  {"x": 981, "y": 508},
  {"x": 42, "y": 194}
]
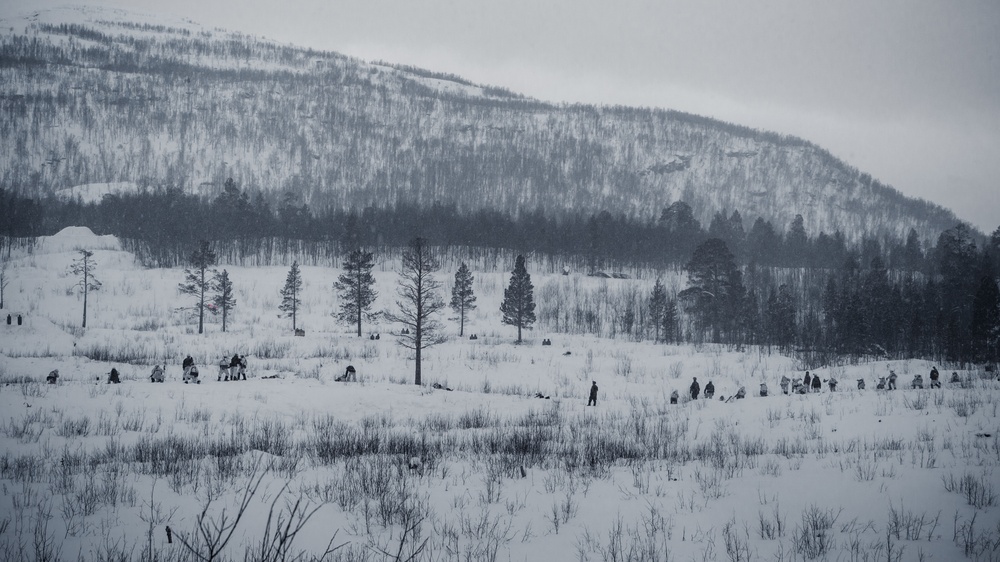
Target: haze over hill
[{"x": 99, "y": 96}]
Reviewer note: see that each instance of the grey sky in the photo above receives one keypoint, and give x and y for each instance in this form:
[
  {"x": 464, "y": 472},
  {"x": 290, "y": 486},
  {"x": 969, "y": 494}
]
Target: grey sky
[{"x": 908, "y": 90}]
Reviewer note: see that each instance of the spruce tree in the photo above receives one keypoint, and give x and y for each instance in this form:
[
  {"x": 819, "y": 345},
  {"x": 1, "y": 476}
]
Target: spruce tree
[
  {"x": 462, "y": 298},
  {"x": 291, "y": 294},
  {"x": 657, "y": 308},
  {"x": 518, "y": 305},
  {"x": 196, "y": 280},
  {"x": 356, "y": 286},
  {"x": 223, "y": 300}
]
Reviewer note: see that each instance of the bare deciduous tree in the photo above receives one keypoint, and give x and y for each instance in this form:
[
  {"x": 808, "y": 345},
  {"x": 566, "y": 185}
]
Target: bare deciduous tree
[{"x": 419, "y": 301}]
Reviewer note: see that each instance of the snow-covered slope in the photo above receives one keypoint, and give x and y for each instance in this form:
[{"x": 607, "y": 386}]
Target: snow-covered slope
[{"x": 162, "y": 102}]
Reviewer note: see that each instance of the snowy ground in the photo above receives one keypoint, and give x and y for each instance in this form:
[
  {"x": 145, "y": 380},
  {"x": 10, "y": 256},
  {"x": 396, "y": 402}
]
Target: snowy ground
[{"x": 97, "y": 471}]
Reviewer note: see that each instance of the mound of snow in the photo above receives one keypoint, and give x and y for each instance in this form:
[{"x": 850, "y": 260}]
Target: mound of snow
[
  {"x": 94, "y": 192},
  {"x": 74, "y": 238}
]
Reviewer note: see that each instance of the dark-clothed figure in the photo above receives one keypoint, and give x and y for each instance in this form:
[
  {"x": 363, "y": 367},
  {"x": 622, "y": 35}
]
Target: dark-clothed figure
[
  {"x": 593, "y": 394},
  {"x": 892, "y": 380},
  {"x": 935, "y": 378},
  {"x": 695, "y": 388},
  {"x": 763, "y": 389},
  {"x": 741, "y": 393},
  {"x": 861, "y": 384},
  {"x": 234, "y": 366},
  {"x": 817, "y": 383},
  {"x": 674, "y": 396},
  {"x": 709, "y": 390},
  {"x": 807, "y": 380},
  {"x": 53, "y": 377},
  {"x": 113, "y": 376},
  {"x": 954, "y": 378}
]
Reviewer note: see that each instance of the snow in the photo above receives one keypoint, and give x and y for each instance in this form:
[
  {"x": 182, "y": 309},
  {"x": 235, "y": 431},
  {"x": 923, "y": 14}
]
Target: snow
[
  {"x": 94, "y": 192},
  {"x": 689, "y": 479}
]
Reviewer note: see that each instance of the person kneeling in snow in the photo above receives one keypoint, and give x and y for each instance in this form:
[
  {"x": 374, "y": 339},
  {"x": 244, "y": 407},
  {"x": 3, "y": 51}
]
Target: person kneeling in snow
[
  {"x": 191, "y": 374},
  {"x": 784, "y": 384},
  {"x": 763, "y": 389},
  {"x": 349, "y": 375},
  {"x": 157, "y": 375},
  {"x": 674, "y": 396},
  {"x": 53, "y": 376},
  {"x": 113, "y": 376},
  {"x": 741, "y": 393},
  {"x": 918, "y": 382}
]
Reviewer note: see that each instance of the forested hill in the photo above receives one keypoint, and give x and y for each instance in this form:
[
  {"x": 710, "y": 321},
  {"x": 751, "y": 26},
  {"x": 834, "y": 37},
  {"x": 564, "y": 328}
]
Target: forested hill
[{"x": 98, "y": 95}]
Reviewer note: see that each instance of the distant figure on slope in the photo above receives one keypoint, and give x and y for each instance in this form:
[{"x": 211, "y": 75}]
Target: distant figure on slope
[
  {"x": 223, "y": 368},
  {"x": 741, "y": 393},
  {"x": 763, "y": 389},
  {"x": 157, "y": 375},
  {"x": 113, "y": 376},
  {"x": 695, "y": 388},
  {"x": 243, "y": 367},
  {"x": 935, "y": 378},
  {"x": 832, "y": 383},
  {"x": 881, "y": 384},
  {"x": 53, "y": 376},
  {"x": 807, "y": 380},
  {"x": 861, "y": 384},
  {"x": 892, "y": 380},
  {"x": 674, "y": 396},
  {"x": 593, "y": 394},
  {"x": 954, "y": 378},
  {"x": 709, "y": 390},
  {"x": 817, "y": 383},
  {"x": 784, "y": 384},
  {"x": 918, "y": 382}
]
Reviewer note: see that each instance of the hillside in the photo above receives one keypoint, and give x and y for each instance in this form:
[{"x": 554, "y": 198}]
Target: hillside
[{"x": 95, "y": 96}]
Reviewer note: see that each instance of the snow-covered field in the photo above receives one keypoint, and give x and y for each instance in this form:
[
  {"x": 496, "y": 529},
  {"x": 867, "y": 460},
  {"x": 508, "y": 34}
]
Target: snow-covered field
[{"x": 382, "y": 469}]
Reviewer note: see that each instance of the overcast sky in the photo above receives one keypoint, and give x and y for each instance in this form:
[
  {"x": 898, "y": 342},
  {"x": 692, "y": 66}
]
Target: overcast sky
[{"x": 907, "y": 90}]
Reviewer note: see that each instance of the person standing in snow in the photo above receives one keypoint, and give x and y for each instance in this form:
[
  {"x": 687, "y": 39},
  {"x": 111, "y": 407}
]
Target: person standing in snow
[
  {"x": 593, "y": 394},
  {"x": 234, "y": 365},
  {"x": 807, "y": 380},
  {"x": 243, "y": 367},
  {"x": 832, "y": 383},
  {"x": 113, "y": 376},
  {"x": 935, "y": 376},
  {"x": 784, "y": 384},
  {"x": 674, "y": 396},
  {"x": 817, "y": 383},
  {"x": 892, "y": 380},
  {"x": 709, "y": 390},
  {"x": 224, "y": 368},
  {"x": 695, "y": 388}
]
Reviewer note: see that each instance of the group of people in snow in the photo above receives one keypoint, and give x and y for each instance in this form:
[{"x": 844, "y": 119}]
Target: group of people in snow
[
  {"x": 808, "y": 383},
  {"x": 234, "y": 368}
]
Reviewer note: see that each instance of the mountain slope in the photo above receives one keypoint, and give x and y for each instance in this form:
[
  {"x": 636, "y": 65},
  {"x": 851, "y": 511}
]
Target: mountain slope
[{"x": 96, "y": 95}]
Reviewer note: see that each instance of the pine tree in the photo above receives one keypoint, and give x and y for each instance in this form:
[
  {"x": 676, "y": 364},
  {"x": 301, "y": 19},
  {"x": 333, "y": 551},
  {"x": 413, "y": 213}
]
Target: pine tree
[
  {"x": 290, "y": 294},
  {"x": 462, "y": 298},
  {"x": 4, "y": 280},
  {"x": 419, "y": 302},
  {"x": 518, "y": 306},
  {"x": 671, "y": 322},
  {"x": 223, "y": 300},
  {"x": 657, "y": 308},
  {"x": 84, "y": 268},
  {"x": 196, "y": 280},
  {"x": 715, "y": 289},
  {"x": 356, "y": 286}
]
